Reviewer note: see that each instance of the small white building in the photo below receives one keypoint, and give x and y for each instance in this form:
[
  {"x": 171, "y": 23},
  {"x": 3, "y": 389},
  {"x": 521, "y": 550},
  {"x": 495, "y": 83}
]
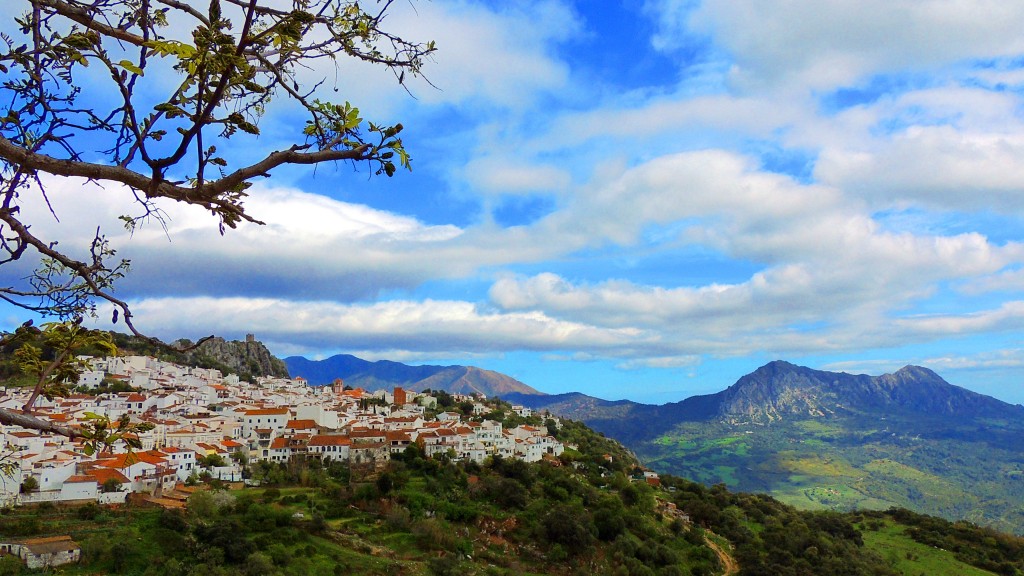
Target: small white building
[{"x": 42, "y": 553}]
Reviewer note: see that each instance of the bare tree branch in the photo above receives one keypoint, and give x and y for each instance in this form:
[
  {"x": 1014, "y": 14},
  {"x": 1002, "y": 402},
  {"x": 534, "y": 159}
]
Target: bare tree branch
[
  {"x": 165, "y": 143},
  {"x": 27, "y": 420}
]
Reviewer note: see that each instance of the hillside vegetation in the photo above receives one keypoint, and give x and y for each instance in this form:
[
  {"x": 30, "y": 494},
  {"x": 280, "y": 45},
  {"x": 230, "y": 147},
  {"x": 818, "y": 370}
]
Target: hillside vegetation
[
  {"x": 588, "y": 513},
  {"x": 857, "y": 463},
  {"x": 824, "y": 440}
]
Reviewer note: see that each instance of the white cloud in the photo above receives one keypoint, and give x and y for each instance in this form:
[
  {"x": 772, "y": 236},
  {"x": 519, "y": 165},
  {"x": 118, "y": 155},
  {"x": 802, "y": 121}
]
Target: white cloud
[
  {"x": 491, "y": 175},
  {"x": 828, "y": 43},
  {"x": 430, "y": 326},
  {"x": 1003, "y": 358},
  {"x": 1008, "y": 316},
  {"x": 662, "y": 362},
  {"x": 1008, "y": 280},
  {"x": 486, "y": 55},
  {"x": 1009, "y": 358},
  {"x": 831, "y": 277},
  {"x": 503, "y": 56},
  {"x": 679, "y": 117},
  {"x": 311, "y": 245},
  {"x": 732, "y": 207},
  {"x": 939, "y": 167}
]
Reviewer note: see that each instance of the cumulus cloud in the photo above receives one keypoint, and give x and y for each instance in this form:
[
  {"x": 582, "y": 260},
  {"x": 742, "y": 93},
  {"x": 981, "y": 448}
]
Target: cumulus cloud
[
  {"x": 991, "y": 359},
  {"x": 939, "y": 167},
  {"x": 731, "y": 206},
  {"x": 831, "y": 276},
  {"x": 663, "y": 362},
  {"x": 1008, "y": 316},
  {"x": 486, "y": 55},
  {"x": 1010, "y": 358},
  {"x": 310, "y": 245},
  {"x": 429, "y": 326},
  {"x": 1009, "y": 280},
  {"x": 674, "y": 117},
  {"x": 821, "y": 44}
]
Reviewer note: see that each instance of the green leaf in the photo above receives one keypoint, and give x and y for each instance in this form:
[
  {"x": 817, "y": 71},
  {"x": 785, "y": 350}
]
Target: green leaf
[
  {"x": 131, "y": 67},
  {"x": 165, "y": 48}
]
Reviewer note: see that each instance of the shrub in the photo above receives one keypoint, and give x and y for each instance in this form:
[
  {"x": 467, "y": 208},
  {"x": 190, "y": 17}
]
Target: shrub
[
  {"x": 87, "y": 512},
  {"x": 570, "y": 526}
]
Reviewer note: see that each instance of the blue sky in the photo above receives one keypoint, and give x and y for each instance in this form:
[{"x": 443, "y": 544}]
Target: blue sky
[{"x": 642, "y": 199}]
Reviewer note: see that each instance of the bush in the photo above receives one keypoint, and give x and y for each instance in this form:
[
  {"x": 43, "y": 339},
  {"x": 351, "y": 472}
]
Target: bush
[
  {"x": 570, "y": 526},
  {"x": 30, "y": 484},
  {"x": 447, "y": 565},
  {"x": 88, "y": 512},
  {"x": 271, "y": 495},
  {"x": 10, "y": 566},
  {"x": 433, "y": 535},
  {"x": 259, "y": 564}
]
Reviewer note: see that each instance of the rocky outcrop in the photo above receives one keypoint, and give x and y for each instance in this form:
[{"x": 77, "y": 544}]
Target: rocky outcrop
[{"x": 248, "y": 358}]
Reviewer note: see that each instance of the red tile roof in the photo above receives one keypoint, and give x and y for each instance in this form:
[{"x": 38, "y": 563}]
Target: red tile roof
[
  {"x": 301, "y": 424},
  {"x": 330, "y": 440},
  {"x": 103, "y": 474},
  {"x": 267, "y": 412}
]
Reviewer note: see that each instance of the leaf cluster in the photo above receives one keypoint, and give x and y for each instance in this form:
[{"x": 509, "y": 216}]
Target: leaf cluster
[{"x": 100, "y": 433}]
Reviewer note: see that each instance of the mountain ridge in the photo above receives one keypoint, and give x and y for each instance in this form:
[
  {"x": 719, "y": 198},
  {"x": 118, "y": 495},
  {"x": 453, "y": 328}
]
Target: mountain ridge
[
  {"x": 360, "y": 373},
  {"x": 777, "y": 390},
  {"x": 780, "y": 388},
  {"x": 832, "y": 440}
]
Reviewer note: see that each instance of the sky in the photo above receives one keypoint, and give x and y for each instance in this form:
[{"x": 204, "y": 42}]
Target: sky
[{"x": 634, "y": 199}]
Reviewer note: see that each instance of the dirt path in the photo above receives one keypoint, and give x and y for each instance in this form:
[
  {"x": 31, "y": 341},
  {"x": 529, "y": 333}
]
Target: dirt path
[{"x": 731, "y": 567}]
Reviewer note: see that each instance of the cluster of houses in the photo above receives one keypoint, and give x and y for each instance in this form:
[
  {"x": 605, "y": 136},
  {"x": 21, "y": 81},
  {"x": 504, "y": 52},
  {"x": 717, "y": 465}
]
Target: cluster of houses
[{"x": 210, "y": 424}]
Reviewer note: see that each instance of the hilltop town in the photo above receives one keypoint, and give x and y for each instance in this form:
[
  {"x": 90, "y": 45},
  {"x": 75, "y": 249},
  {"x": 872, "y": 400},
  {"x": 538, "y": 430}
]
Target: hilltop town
[{"x": 212, "y": 426}]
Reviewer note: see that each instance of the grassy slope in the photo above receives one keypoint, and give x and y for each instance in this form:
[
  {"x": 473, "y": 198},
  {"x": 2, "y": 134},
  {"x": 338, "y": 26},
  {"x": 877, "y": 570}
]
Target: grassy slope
[{"x": 913, "y": 558}]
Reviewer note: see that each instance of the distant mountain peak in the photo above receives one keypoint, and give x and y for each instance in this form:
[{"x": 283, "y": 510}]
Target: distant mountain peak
[
  {"x": 780, "y": 389},
  {"x": 911, "y": 371},
  {"x": 386, "y": 374},
  {"x": 777, "y": 365}
]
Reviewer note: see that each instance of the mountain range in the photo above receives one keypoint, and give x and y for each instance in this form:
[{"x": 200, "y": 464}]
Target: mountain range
[
  {"x": 820, "y": 439},
  {"x": 360, "y": 373},
  {"x": 811, "y": 438},
  {"x": 780, "y": 391}
]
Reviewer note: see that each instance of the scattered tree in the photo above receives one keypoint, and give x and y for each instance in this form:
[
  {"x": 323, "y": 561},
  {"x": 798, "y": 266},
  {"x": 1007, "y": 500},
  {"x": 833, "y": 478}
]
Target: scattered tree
[
  {"x": 111, "y": 485},
  {"x": 29, "y": 485},
  {"x": 211, "y": 461}
]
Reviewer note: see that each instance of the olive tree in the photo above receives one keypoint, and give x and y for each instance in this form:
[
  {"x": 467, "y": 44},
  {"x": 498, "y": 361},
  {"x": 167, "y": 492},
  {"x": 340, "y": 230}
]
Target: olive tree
[{"x": 143, "y": 96}]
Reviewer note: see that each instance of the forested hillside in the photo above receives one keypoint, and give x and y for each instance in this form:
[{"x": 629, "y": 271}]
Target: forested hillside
[{"x": 832, "y": 441}]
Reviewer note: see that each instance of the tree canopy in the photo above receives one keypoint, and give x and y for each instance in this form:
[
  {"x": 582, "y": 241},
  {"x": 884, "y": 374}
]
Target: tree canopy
[{"x": 142, "y": 95}]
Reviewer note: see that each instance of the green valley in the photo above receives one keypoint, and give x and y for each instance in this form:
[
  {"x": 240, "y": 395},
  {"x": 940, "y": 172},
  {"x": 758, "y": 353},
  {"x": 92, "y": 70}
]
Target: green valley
[
  {"x": 833, "y": 441},
  {"x": 853, "y": 463}
]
